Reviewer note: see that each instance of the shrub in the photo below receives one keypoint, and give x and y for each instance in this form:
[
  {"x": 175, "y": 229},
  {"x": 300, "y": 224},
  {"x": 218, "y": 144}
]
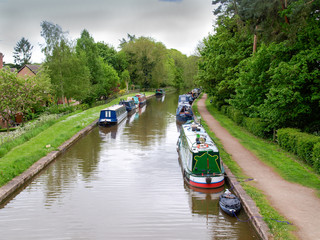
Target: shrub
[
  {"x": 224, "y": 109},
  {"x": 316, "y": 157},
  {"x": 257, "y": 127},
  {"x": 301, "y": 144},
  {"x": 287, "y": 139},
  {"x": 305, "y": 145}
]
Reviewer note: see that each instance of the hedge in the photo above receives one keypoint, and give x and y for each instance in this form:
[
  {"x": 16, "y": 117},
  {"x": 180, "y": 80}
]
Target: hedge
[
  {"x": 299, "y": 143},
  {"x": 316, "y": 157},
  {"x": 257, "y": 127}
]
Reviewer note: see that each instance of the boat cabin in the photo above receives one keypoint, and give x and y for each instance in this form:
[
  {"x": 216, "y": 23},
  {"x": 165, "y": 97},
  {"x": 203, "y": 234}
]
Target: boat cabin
[
  {"x": 185, "y": 98},
  {"x": 142, "y": 99},
  {"x": 159, "y": 92},
  {"x": 129, "y": 104},
  {"x": 112, "y": 115}
]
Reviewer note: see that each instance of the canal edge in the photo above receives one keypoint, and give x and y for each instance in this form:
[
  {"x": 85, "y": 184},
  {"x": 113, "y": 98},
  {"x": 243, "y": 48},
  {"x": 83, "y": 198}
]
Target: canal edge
[
  {"x": 12, "y": 186},
  {"x": 249, "y": 206}
]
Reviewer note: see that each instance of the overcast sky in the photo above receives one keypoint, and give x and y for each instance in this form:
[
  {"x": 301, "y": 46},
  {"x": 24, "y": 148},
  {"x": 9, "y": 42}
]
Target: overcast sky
[{"x": 178, "y": 24}]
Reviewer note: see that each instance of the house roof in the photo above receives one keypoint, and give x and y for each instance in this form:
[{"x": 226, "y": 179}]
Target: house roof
[{"x": 32, "y": 67}]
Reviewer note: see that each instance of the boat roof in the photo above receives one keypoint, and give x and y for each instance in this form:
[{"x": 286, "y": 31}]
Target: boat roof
[
  {"x": 113, "y": 107},
  {"x": 193, "y": 131}
]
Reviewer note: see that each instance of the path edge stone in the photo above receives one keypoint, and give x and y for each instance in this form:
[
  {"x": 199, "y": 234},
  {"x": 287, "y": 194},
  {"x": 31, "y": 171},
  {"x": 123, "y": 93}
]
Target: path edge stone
[{"x": 249, "y": 206}]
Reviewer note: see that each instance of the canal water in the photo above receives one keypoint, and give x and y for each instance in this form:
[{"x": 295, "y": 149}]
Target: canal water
[{"x": 120, "y": 182}]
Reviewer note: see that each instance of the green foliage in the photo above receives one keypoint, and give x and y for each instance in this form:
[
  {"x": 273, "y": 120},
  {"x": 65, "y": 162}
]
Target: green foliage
[
  {"x": 302, "y": 144},
  {"x": 22, "y": 52},
  {"x": 220, "y": 55},
  {"x": 286, "y": 138},
  {"x": 257, "y": 126},
  {"x": 20, "y": 95},
  {"x": 316, "y": 157},
  {"x": 279, "y": 83}
]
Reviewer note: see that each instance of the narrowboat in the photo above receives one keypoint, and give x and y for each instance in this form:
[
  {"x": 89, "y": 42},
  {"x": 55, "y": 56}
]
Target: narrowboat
[
  {"x": 184, "y": 112},
  {"x": 200, "y": 158},
  {"x": 159, "y": 92},
  {"x": 229, "y": 203},
  {"x": 129, "y": 104},
  {"x": 185, "y": 98},
  {"x": 142, "y": 99},
  {"x": 112, "y": 115}
]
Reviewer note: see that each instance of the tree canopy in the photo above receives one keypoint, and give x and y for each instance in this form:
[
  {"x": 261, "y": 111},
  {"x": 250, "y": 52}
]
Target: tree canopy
[
  {"x": 22, "y": 52},
  {"x": 280, "y": 81}
]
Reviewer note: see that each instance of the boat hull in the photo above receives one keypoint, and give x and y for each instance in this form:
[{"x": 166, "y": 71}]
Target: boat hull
[
  {"x": 230, "y": 204},
  {"x": 183, "y": 117}
]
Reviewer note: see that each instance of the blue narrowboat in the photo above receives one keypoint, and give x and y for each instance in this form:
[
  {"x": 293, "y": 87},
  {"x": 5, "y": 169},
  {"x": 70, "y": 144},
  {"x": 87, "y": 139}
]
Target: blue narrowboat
[
  {"x": 112, "y": 115},
  {"x": 184, "y": 112},
  {"x": 185, "y": 98},
  {"x": 129, "y": 104}
]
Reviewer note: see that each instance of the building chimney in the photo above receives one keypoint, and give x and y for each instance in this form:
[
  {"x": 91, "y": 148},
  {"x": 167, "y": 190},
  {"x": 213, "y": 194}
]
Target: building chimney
[{"x": 1, "y": 60}]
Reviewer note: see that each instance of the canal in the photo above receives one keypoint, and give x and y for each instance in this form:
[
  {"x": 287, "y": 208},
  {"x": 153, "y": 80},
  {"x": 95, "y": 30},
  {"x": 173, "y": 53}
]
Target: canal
[{"x": 120, "y": 182}]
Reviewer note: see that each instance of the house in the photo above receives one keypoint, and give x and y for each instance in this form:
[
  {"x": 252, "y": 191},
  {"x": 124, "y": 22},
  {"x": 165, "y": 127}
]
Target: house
[{"x": 29, "y": 70}]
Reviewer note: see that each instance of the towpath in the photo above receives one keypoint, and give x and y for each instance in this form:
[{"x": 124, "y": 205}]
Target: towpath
[{"x": 297, "y": 203}]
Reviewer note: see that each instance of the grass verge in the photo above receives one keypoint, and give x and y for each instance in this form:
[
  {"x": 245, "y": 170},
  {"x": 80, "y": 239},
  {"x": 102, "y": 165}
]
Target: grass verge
[
  {"x": 280, "y": 230},
  {"x": 21, "y": 157}
]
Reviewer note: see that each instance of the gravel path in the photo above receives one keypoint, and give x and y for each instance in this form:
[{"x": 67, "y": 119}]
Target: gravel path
[{"x": 297, "y": 203}]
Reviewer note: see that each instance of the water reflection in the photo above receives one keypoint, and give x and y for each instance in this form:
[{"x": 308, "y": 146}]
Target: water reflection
[{"x": 160, "y": 98}]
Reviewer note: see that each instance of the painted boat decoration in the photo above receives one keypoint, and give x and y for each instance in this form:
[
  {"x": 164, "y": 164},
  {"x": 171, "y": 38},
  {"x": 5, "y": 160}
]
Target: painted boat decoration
[
  {"x": 129, "y": 104},
  {"x": 229, "y": 203},
  {"x": 184, "y": 112},
  {"x": 200, "y": 158},
  {"x": 142, "y": 99},
  {"x": 159, "y": 92},
  {"x": 112, "y": 115}
]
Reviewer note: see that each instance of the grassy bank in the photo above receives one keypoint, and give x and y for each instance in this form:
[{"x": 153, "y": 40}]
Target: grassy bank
[
  {"x": 288, "y": 166},
  {"x": 280, "y": 230},
  {"x": 20, "y": 158}
]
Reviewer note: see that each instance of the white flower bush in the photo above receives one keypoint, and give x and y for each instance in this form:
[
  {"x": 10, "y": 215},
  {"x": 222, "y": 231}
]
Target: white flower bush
[{"x": 7, "y": 137}]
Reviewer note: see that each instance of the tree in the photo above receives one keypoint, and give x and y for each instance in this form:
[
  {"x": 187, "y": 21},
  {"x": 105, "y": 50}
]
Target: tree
[
  {"x": 20, "y": 94},
  {"x": 103, "y": 77},
  {"x": 146, "y": 60},
  {"x": 53, "y": 35},
  {"x": 69, "y": 74},
  {"x": 22, "y": 52},
  {"x": 125, "y": 79}
]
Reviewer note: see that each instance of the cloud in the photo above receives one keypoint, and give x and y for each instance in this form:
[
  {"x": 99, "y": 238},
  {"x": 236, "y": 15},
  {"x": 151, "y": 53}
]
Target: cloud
[{"x": 179, "y": 25}]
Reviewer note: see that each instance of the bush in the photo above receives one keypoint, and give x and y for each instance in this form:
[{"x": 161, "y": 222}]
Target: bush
[
  {"x": 257, "y": 127},
  {"x": 305, "y": 145},
  {"x": 316, "y": 157},
  {"x": 301, "y": 144},
  {"x": 287, "y": 139}
]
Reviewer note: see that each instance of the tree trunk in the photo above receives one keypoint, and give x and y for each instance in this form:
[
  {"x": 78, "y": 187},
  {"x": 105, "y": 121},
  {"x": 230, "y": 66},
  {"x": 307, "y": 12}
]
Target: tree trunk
[
  {"x": 255, "y": 40},
  {"x": 284, "y": 6}
]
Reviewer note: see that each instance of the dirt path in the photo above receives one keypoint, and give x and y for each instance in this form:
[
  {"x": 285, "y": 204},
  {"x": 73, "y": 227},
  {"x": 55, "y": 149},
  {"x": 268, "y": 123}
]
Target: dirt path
[{"x": 297, "y": 203}]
